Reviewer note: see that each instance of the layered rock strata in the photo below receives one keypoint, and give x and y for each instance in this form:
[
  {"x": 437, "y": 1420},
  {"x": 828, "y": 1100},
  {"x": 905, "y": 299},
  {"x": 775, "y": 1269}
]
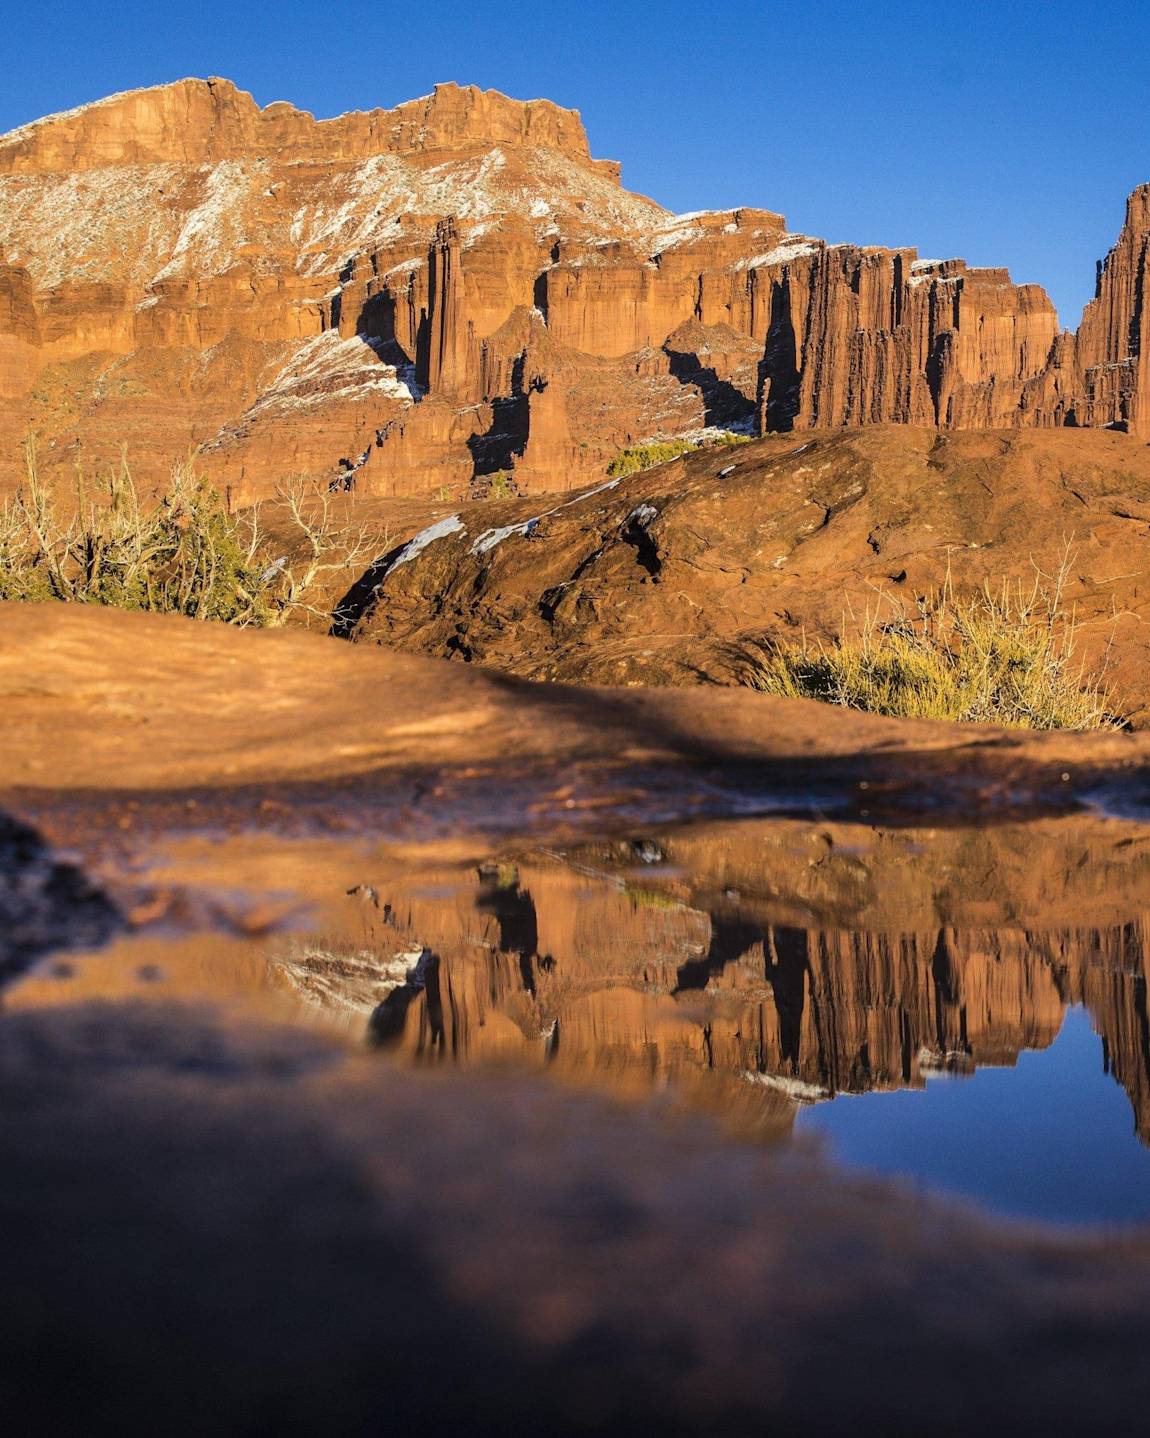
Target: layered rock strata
[
  {"x": 407, "y": 299},
  {"x": 673, "y": 575}
]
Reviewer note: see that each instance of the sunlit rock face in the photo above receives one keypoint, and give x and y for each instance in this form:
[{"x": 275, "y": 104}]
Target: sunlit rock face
[
  {"x": 417, "y": 297},
  {"x": 673, "y": 575},
  {"x": 1098, "y": 377}
]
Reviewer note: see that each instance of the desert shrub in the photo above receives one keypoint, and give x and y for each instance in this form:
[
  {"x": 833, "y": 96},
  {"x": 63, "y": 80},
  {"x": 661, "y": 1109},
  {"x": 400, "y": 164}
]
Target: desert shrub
[
  {"x": 499, "y": 484},
  {"x": 179, "y": 552},
  {"x": 320, "y": 549},
  {"x": 1003, "y": 655},
  {"x": 646, "y": 456}
]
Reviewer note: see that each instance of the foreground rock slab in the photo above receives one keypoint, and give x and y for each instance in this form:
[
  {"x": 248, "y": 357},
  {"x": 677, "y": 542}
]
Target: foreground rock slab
[
  {"x": 664, "y": 576},
  {"x": 105, "y": 703}
]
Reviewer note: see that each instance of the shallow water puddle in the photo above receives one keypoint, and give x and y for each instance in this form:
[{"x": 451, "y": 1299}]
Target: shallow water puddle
[
  {"x": 963, "y": 1011},
  {"x": 1050, "y": 1138}
]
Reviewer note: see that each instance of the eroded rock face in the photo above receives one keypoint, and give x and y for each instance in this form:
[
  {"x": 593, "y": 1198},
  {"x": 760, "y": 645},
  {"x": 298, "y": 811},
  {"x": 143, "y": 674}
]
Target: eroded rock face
[
  {"x": 1108, "y": 381},
  {"x": 663, "y": 576},
  {"x": 408, "y": 299}
]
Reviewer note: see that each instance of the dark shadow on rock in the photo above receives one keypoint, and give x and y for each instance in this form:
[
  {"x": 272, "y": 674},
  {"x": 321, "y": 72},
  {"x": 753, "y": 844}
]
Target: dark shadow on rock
[
  {"x": 362, "y": 596},
  {"x": 388, "y": 1018},
  {"x": 636, "y": 532},
  {"x": 45, "y": 904},
  {"x": 976, "y": 777},
  {"x": 505, "y": 439},
  {"x": 514, "y": 911},
  {"x": 779, "y": 380},
  {"x": 723, "y": 403}
]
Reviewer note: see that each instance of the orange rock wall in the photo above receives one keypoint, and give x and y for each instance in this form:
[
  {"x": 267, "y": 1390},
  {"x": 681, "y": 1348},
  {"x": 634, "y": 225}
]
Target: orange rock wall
[{"x": 419, "y": 296}]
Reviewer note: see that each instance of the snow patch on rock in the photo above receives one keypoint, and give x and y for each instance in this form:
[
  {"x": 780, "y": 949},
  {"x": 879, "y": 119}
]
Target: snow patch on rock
[
  {"x": 329, "y": 367},
  {"x": 491, "y": 538},
  {"x": 793, "y": 248},
  {"x": 213, "y": 232},
  {"x": 453, "y": 524}
]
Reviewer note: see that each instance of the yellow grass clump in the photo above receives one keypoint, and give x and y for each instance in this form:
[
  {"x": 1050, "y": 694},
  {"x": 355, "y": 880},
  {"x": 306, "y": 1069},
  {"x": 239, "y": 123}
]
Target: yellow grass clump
[
  {"x": 1002, "y": 655},
  {"x": 638, "y": 457}
]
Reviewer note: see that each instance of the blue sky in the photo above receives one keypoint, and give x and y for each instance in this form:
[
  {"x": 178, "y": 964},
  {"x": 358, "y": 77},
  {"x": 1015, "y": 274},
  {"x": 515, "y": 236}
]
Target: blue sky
[{"x": 1009, "y": 133}]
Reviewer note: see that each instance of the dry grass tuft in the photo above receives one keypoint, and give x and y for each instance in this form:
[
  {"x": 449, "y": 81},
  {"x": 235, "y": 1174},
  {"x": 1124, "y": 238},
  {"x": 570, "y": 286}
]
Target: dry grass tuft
[
  {"x": 646, "y": 456},
  {"x": 1003, "y": 655}
]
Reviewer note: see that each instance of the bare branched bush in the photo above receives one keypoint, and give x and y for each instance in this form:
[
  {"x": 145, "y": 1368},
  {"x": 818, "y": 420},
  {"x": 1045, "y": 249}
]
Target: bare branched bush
[
  {"x": 179, "y": 552},
  {"x": 321, "y": 547}
]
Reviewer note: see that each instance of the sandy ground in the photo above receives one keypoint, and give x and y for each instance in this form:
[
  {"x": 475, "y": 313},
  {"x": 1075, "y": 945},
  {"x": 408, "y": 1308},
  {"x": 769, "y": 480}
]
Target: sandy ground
[{"x": 105, "y": 701}]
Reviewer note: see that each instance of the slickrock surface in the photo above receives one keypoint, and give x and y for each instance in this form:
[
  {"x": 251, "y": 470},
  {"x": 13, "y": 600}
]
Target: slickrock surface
[
  {"x": 103, "y": 702},
  {"x": 663, "y": 576},
  {"x": 418, "y": 297}
]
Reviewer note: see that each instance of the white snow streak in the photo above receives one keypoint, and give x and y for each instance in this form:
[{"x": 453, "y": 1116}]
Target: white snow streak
[
  {"x": 492, "y": 537},
  {"x": 415, "y": 547}
]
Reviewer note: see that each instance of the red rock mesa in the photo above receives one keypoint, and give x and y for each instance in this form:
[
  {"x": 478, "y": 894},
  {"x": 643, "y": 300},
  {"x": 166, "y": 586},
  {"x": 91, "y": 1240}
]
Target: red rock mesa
[{"x": 414, "y": 298}]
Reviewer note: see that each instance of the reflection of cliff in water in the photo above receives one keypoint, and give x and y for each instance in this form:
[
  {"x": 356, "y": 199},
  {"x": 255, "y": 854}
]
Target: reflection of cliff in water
[{"x": 741, "y": 996}]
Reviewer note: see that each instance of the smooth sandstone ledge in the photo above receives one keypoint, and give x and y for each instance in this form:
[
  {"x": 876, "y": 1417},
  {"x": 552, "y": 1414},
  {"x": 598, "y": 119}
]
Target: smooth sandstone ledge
[{"x": 101, "y": 700}]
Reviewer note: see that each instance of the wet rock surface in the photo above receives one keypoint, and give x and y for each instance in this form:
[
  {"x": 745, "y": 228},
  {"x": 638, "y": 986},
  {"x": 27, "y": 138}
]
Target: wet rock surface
[
  {"x": 467, "y": 1121},
  {"x": 548, "y": 1186},
  {"x": 322, "y": 1254}
]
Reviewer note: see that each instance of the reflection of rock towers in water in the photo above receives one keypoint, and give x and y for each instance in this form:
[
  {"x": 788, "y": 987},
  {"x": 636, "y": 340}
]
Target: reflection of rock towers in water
[{"x": 631, "y": 989}]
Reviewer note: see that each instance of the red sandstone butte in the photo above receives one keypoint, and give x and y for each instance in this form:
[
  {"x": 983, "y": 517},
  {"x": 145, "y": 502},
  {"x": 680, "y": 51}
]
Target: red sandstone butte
[{"x": 417, "y": 297}]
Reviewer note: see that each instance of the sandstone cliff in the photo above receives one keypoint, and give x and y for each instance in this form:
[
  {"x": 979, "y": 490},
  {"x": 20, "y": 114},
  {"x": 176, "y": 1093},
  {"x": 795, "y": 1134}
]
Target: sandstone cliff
[{"x": 412, "y": 298}]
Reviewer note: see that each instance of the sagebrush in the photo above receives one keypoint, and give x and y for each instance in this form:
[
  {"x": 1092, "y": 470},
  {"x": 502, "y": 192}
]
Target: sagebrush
[
  {"x": 180, "y": 551},
  {"x": 1004, "y": 654},
  {"x": 646, "y": 456}
]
